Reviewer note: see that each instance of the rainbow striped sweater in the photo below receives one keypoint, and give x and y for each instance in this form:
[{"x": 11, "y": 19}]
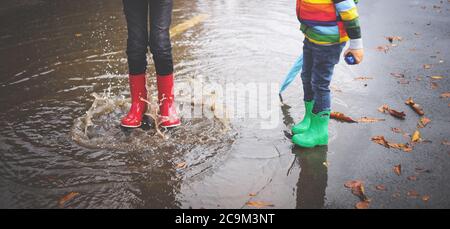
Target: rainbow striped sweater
[{"x": 327, "y": 22}]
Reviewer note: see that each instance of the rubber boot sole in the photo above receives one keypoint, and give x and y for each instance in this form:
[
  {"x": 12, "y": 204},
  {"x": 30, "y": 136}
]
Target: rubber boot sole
[
  {"x": 173, "y": 125},
  {"x": 310, "y": 146},
  {"x": 169, "y": 126},
  {"x": 128, "y": 126}
]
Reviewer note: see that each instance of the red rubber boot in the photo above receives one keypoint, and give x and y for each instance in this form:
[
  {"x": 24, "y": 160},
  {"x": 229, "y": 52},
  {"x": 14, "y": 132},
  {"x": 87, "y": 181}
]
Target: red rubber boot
[
  {"x": 138, "y": 107},
  {"x": 168, "y": 112}
]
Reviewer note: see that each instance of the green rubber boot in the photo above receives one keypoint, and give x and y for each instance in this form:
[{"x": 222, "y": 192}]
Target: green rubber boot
[
  {"x": 306, "y": 122},
  {"x": 317, "y": 134}
]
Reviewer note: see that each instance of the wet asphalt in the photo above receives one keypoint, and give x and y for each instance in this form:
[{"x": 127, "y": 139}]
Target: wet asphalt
[{"x": 53, "y": 55}]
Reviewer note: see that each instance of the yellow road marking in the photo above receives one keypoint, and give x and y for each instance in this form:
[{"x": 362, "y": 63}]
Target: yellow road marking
[{"x": 180, "y": 28}]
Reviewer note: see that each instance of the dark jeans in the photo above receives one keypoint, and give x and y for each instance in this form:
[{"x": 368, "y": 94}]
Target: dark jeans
[
  {"x": 138, "y": 13},
  {"x": 317, "y": 71}
]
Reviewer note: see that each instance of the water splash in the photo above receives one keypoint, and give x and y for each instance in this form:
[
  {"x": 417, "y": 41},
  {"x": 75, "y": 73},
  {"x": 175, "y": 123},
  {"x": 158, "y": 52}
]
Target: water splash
[{"x": 197, "y": 142}]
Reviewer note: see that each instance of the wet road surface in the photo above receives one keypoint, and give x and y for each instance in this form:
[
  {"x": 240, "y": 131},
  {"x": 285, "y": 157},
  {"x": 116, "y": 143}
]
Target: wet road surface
[{"x": 55, "y": 55}]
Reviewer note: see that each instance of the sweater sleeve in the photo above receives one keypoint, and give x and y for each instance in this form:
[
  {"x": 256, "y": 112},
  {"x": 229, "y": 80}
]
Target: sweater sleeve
[{"x": 349, "y": 15}]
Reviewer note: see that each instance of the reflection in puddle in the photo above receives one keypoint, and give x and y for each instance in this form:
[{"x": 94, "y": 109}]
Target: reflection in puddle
[
  {"x": 313, "y": 177},
  {"x": 312, "y": 181}
]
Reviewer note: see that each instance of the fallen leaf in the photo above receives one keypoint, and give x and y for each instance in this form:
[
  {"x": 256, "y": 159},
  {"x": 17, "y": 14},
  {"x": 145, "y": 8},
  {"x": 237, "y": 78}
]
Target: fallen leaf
[
  {"x": 427, "y": 66},
  {"x": 369, "y": 120},
  {"x": 181, "y": 165},
  {"x": 78, "y": 34},
  {"x": 434, "y": 85},
  {"x": 423, "y": 121},
  {"x": 252, "y": 194},
  {"x": 412, "y": 178},
  {"x": 403, "y": 81},
  {"x": 405, "y": 147},
  {"x": 416, "y": 107},
  {"x": 341, "y": 117},
  {"x": 357, "y": 188},
  {"x": 352, "y": 183},
  {"x": 445, "y": 95},
  {"x": 259, "y": 204},
  {"x": 426, "y": 198},
  {"x": 436, "y": 77},
  {"x": 380, "y": 140},
  {"x": 447, "y": 143},
  {"x": 385, "y": 108},
  {"x": 380, "y": 187},
  {"x": 383, "y": 48},
  {"x": 398, "y": 75},
  {"x": 359, "y": 192},
  {"x": 412, "y": 194},
  {"x": 396, "y": 195},
  {"x": 66, "y": 198},
  {"x": 363, "y": 78},
  {"x": 416, "y": 136},
  {"x": 397, "y": 130},
  {"x": 394, "y": 38},
  {"x": 398, "y": 169},
  {"x": 362, "y": 204},
  {"x": 397, "y": 114}
]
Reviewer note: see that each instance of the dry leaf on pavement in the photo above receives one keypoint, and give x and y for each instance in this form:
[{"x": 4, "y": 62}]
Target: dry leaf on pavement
[
  {"x": 398, "y": 169},
  {"x": 341, "y": 117},
  {"x": 416, "y": 107},
  {"x": 258, "y": 204},
  {"x": 67, "y": 198}
]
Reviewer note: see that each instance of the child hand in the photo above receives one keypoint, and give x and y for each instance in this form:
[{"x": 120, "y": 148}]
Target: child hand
[{"x": 357, "y": 53}]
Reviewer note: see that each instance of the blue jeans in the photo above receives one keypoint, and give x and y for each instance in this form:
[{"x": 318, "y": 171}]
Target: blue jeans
[
  {"x": 317, "y": 71},
  {"x": 138, "y": 13}
]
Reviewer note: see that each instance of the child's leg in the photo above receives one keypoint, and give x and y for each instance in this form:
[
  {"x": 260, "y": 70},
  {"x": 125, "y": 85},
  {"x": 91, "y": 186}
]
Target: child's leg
[
  {"x": 160, "y": 46},
  {"x": 308, "y": 94},
  {"x": 136, "y": 14},
  {"x": 307, "y": 71},
  {"x": 324, "y": 60}
]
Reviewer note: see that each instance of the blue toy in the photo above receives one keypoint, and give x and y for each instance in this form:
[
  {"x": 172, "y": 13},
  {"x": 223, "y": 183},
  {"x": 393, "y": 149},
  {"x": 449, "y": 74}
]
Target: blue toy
[{"x": 350, "y": 59}]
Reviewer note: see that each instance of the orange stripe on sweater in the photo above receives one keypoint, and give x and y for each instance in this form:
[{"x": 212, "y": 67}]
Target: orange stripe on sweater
[{"x": 317, "y": 12}]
